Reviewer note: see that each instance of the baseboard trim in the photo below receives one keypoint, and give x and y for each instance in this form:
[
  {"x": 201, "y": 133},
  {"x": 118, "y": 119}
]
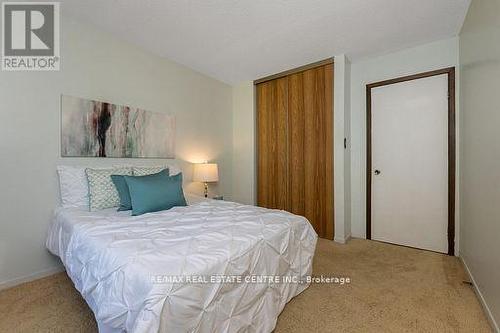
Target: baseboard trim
[
  {"x": 27, "y": 278},
  {"x": 480, "y": 296},
  {"x": 342, "y": 240}
]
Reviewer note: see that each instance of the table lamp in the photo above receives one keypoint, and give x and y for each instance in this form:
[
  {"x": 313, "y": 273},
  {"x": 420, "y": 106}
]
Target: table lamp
[{"x": 206, "y": 173}]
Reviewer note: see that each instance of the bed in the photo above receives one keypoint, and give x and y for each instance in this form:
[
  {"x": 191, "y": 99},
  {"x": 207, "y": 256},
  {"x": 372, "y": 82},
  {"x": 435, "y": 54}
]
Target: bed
[{"x": 155, "y": 272}]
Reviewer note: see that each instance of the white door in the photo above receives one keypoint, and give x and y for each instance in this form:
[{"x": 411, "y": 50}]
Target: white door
[{"x": 410, "y": 163}]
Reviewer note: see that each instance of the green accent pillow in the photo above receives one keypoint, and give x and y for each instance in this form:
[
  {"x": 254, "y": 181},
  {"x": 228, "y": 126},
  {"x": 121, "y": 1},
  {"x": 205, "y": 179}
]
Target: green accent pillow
[
  {"x": 153, "y": 193},
  {"x": 123, "y": 193},
  {"x": 102, "y": 192}
]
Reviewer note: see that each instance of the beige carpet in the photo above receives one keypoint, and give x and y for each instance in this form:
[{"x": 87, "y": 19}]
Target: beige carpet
[{"x": 393, "y": 289}]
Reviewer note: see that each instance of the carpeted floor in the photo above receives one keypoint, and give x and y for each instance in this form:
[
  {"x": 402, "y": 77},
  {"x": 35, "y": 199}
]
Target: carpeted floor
[{"x": 392, "y": 289}]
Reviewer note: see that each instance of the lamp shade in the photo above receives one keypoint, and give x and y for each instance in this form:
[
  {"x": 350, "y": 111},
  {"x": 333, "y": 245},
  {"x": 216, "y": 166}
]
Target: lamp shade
[{"x": 206, "y": 172}]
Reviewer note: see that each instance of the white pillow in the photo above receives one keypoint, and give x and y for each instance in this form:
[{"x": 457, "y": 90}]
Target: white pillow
[
  {"x": 144, "y": 171},
  {"x": 173, "y": 169},
  {"x": 74, "y": 186},
  {"x": 148, "y": 170}
]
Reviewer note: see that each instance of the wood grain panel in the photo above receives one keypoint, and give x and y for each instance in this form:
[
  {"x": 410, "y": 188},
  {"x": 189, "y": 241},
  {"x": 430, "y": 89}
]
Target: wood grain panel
[
  {"x": 272, "y": 145},
  {"x": 297, "y": 136},
  {"x": 310, "y": 123},
  {"x": 295, "y": 146},
  {"x": 312, "y": 205}
]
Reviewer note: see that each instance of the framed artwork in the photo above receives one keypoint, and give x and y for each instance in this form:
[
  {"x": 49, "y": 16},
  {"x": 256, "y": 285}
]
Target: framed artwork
[{"x": 99, "y": 129}]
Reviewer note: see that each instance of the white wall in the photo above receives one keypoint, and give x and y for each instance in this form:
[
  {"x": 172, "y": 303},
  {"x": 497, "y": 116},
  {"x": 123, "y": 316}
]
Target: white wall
[
  {"x": 347, "y": 154},
  {"x": 480, "y": 158},
  {"x": 94, "y": 65},
  {"x": 244, "y": 173},
  {"x": 419, "y": 59},
  {"x": 341, "y": 159}
]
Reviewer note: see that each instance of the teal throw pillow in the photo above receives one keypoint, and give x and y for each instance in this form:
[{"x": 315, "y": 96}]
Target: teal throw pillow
[{"x": 155, "y": 192}]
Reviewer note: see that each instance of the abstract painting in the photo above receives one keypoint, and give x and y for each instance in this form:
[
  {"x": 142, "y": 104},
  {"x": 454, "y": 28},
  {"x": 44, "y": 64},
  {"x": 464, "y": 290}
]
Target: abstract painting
[{"x": 99, "y": 129}]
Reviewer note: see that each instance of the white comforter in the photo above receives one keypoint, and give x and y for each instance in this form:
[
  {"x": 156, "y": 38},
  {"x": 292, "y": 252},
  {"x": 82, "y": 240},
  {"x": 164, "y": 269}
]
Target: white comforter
[{"x": 116, "y": 261}]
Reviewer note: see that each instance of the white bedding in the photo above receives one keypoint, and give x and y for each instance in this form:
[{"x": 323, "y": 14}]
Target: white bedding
[{"x": 112, "y": 258}]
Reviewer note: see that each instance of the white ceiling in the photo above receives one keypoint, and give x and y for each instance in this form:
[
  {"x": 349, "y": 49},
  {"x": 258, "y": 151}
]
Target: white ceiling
[{"x": 239, "y": 40}]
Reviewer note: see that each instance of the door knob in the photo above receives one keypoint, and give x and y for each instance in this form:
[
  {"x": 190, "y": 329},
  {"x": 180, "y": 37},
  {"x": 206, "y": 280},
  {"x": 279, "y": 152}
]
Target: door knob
[{"x": 377, "y": 172}]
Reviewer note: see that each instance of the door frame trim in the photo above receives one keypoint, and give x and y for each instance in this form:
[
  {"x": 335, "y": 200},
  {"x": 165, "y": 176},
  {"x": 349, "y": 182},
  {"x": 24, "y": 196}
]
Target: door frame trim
[
  {"x": 450, "y": 71},
  {"x": 320, "y": 63}
]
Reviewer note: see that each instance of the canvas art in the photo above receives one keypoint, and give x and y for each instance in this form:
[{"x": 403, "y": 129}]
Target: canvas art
[{"x": 99, "y": 129}]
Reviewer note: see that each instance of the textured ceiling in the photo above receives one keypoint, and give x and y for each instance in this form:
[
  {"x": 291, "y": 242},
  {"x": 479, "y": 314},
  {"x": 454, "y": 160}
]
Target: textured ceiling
[{"x": 238, "y": 40}]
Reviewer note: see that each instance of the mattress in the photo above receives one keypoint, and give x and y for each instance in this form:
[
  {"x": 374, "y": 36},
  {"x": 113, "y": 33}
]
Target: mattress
[{"x": 206, "y": 267}]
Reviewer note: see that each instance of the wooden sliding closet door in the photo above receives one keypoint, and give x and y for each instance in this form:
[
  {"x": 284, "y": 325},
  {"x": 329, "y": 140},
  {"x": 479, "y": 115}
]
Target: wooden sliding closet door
[
  {"x": 295, "y": 145},
  {"x": 272, "y": 145},
  {"x": 310, "y": 125}
]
